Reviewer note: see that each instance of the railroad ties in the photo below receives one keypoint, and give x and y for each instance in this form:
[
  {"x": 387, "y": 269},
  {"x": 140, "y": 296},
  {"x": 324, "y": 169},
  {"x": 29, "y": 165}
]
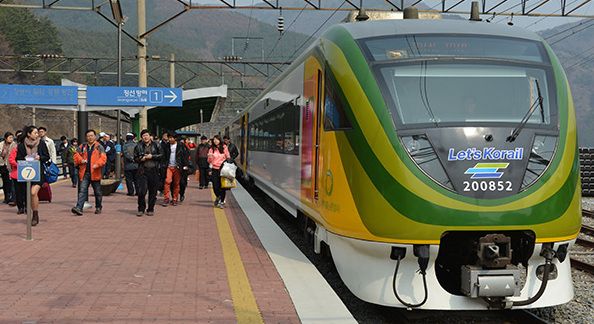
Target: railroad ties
[
  {"x": 586, "y": 243},
  {"x": 587, "y": 170}
]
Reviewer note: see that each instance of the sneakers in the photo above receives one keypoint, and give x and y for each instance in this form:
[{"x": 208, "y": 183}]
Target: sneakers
[
  {"x": 97, "y": 211},
  {"x": 76, "y": 211},
  {"x": 150, "y": 213},
  {"x": 165, "y": 203},
  {"x": 174, "y": 203},
  {"x": 216, "y": 202},
  {"x": 220, "y": 205},
  {"x": 20, "y": 211},
  {"x": 182, "y": 198},
  {"x": 139, "y": 213}
]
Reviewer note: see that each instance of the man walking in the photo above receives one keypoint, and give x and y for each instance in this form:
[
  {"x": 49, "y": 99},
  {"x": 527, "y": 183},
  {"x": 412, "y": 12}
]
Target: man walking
[
  {"x": 130, "y": 166},
  {"x": 202, "y": 161},
  {"x": 62, "y": 150},
  {"x": 148, "y": 155},
  {"x": 90, "y": 159},
  {"x": 177, "y": 161},
  {"x": 69, "y": 160},
  {"x": 51, "y": 146},
  {"x": 109, "y": 148}
]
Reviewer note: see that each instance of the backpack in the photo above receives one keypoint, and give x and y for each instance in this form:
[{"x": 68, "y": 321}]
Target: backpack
[{"x": 51, "y": 172}]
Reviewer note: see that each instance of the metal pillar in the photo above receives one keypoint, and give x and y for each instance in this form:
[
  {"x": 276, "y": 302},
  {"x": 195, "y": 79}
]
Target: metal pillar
[
  {"x": 142, "y": 75},
  {"x": 82, "y": 115},
  {"x": 118, "y": 161},
  {"x": 29, "y": 211},
  {"x": 172, "y": 70}
]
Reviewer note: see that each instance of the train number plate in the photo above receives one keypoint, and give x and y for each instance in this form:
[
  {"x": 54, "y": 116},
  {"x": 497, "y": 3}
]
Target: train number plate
[{"x": 487, "y": 185}]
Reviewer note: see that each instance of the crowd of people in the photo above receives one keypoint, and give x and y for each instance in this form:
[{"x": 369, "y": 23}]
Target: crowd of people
[{"x": 150, "y": 166}]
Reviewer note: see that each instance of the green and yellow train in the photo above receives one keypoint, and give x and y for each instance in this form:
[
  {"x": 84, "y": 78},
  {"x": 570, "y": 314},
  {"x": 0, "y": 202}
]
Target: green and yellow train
[{"x": 442, "y": 146}]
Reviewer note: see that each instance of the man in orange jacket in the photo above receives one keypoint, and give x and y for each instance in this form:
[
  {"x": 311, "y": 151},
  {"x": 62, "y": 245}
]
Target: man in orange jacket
[{"x": 90, "y": 159}]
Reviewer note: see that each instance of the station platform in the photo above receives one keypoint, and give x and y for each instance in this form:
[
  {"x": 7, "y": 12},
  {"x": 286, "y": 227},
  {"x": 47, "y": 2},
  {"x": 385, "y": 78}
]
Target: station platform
[{"x": 191, "y": 263}]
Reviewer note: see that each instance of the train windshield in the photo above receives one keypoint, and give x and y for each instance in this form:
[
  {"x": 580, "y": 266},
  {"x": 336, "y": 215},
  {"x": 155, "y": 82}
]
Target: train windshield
[{"x": 438, "y": 92}]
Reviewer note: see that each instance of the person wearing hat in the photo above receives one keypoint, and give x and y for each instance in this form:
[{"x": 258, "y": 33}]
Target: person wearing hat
[
  {"x": 111, "y": 153},
  {"x": 130, "y": 166}
]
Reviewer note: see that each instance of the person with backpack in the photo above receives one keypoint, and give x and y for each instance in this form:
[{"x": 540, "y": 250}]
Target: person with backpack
[
  {"x": 90, "y": 159},
  {"x": 33, "y": 148},
  {"x": 69, "y": 161},
  {"x": 202, "y": 162},
  {"x": 130, "y": 166}
]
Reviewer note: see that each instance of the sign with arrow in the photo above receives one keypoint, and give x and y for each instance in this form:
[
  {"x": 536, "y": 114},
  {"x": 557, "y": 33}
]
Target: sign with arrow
[{"x": 134, "y": 96}]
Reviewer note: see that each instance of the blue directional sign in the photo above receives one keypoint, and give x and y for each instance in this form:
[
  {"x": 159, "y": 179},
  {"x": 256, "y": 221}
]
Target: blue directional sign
[
  {"x": 134, "y": 96},
  {"x": 14, "y": 94},
  {"x": 28, "y": 171}
]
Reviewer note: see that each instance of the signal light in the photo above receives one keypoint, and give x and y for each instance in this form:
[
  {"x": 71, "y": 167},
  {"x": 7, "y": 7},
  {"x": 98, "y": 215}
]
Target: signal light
[{"x": 280, "y": 24}]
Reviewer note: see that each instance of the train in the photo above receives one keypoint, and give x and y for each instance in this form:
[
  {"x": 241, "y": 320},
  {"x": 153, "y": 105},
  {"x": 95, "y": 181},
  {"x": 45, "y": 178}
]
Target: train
[{"x": 437, "y": 160}]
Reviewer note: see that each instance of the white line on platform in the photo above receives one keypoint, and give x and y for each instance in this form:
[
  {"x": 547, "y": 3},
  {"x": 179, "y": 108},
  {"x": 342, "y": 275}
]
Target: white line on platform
[{"x": 314, "y": 299}]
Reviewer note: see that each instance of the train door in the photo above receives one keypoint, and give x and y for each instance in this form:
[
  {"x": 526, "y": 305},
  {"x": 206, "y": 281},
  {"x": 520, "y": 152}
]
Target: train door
[{"x": 310, "y": 123}]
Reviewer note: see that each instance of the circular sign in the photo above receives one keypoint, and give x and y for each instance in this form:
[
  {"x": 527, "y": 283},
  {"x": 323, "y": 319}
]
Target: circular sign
[{"x": 28, "y": 173}]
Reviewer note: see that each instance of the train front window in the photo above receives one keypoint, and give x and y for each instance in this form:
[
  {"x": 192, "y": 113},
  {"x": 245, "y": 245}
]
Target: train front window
[{"x": 444, "y": 92}]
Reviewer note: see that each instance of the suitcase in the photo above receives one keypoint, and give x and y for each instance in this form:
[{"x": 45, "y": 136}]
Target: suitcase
[{"x": 45, "y": 193}]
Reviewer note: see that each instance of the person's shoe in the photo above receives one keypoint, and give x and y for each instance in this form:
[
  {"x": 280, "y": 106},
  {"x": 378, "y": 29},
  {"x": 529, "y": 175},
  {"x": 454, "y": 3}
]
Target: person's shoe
[
  {"x": 73, "y": 186},
  {"x": 129, "y": 194},
  {"x": 20, "y": 211},
  {"x": 150, "y": 213},
  {"x": 165, "y": 203},
  {"x": 220, "y": 205},
  {"x": 216, "y": 202},
  {"x": 139, "y": 213},
  {"x": 182, "y": 198},
  {"x": 97, "y": 211},
  {"x": 200, "y": 187},
  {"x": 76, "y": 211},
  {"x": 35, "y": 219},
  {"x": 12, "y": 203},
  {"x": 173, "y": 203}
]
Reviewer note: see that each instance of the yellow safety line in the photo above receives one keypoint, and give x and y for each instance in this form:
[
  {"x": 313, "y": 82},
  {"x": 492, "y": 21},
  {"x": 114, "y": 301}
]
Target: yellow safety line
[{"x": 244, "y": 302}]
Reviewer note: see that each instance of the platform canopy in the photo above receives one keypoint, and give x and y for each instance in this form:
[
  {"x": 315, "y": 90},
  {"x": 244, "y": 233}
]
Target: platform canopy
[{"x": 209, "y": 100}]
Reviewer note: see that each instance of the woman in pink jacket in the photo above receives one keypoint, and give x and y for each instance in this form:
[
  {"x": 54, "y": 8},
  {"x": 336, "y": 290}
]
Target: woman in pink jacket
[
  {"x": 20, "y": 195},
  {"x": 217, "y": 154}
]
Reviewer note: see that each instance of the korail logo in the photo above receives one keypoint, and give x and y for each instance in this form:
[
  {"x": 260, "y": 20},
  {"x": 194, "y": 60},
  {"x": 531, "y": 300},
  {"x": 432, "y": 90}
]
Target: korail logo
[{"x": 487, "y": 170}]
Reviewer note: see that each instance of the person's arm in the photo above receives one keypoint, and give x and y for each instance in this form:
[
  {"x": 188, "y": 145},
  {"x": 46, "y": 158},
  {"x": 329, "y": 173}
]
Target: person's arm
[
  {"x": 102, "y": 158},
  {"x": 51, "y": 151},
  {"x": 227, "y": 155},
  {"x": 12, "y": 158},
  {"x": 44, "y": 155}
]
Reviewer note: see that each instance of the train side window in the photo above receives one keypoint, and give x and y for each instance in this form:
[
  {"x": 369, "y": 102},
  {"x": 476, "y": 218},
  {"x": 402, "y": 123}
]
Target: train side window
[{"x": 334, "y": 116}]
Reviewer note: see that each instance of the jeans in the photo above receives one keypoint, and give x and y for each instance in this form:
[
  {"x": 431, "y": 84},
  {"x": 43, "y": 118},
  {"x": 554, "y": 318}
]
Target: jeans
[
  {"x": 148, "y": 180},
  {"x": 131, "y": 181},
  {"x": 216, "y": 185},
  {"x": 65, "y": 169},
  {"x": 172, "y": 177},
  {"x": 204, "y": 177},
  {"x": 73, "y": 173},
  {"x": 83, "y": 192}
]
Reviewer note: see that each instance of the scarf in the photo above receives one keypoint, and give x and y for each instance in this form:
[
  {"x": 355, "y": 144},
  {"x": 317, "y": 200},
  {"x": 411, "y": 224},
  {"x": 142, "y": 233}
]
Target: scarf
[{"x": 32, "y": 146}]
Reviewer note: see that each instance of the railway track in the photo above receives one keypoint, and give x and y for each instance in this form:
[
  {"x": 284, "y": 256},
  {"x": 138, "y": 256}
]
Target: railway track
[
  {"x": 588, "y": 230},
  {"x": 580, "y": 265},
  {"x": 587, "y": 213}
]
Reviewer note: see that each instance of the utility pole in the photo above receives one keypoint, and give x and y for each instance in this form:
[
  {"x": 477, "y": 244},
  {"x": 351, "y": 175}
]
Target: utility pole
[
  {"x": 118, "y": 16},
  {"x": 172, "y": 70},
  {"x": 142, "y": 75}
]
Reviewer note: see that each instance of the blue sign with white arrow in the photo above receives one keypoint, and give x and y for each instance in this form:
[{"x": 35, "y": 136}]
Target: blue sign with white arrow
[
  {"x": 134, "y": 96},
  {"x": 16, "y": 94}
]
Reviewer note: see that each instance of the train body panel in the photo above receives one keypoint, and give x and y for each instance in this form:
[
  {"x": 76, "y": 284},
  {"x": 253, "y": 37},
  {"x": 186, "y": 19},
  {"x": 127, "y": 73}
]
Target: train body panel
[{"x": 352, "y": 137}]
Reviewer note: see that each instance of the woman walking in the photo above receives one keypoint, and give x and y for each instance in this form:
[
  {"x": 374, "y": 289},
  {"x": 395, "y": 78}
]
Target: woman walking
[
  {"x": 217, "y": 154},
  {"x": 5, "y": 167},
  {"x": 31, "y": 149}
]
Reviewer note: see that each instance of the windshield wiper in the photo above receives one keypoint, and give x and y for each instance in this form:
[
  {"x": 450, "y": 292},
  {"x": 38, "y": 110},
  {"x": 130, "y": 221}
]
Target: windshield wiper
[{"x": 516, "y": 132}]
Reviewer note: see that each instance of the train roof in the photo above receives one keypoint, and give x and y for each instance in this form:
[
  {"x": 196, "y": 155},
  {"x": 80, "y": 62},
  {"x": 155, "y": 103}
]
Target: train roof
[{"x": 434, "y": 26}]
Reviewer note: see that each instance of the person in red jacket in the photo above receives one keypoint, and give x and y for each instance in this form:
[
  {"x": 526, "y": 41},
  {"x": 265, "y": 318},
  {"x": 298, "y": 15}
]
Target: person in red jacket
[{"x": 90, "y": 159}]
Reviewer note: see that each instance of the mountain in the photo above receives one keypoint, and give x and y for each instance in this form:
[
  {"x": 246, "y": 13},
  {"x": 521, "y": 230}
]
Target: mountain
[{"x": 574, "y": 46}]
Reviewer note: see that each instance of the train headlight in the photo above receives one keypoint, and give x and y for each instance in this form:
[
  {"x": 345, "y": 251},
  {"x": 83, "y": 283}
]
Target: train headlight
[
  {"x": 420, "y": 150},
  {"x": 541, "y": 154}
]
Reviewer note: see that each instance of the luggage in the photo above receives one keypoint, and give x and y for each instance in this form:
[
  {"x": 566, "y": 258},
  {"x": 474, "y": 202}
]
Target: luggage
[
  {"x": 227, "y": 183},
  {"x": 45, "y": 193},
  {"x": 228, "y": 170}
]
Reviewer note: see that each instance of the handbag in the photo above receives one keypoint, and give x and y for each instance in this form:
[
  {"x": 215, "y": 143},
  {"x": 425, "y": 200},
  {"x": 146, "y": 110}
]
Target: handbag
[
  {"x": 227, "y": 183},
  {"x": 51, "y": 172},
  {"x": 228, "y": 170}
]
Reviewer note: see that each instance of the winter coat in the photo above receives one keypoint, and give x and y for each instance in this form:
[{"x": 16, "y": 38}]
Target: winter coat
[
  {"x": 217, "y": 158},
  {"x": 153, "y": 149},
  {"x": 98, "y": 160},
  {"x": 42, "y": 151}
]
